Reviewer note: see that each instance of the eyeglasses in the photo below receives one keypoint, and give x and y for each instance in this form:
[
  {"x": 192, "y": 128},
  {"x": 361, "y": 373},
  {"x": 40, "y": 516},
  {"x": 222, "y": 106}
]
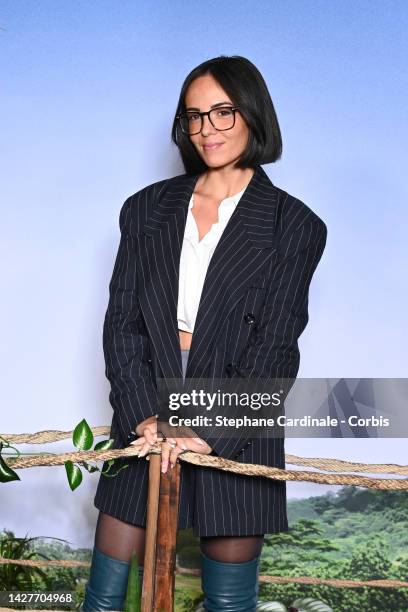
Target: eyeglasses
[{"x": 222, "y": 118}]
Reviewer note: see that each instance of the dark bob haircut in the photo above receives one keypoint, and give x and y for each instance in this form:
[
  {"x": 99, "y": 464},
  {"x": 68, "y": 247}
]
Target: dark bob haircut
[{"x": 246, "y": 87}]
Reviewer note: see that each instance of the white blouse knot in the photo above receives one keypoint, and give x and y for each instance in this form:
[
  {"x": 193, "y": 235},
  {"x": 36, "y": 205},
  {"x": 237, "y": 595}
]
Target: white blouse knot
[{"x": 195, "y": 258}]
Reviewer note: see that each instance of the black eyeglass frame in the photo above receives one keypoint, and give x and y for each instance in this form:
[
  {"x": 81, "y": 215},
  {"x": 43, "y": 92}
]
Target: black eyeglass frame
[{"x": 233, "y": 108}]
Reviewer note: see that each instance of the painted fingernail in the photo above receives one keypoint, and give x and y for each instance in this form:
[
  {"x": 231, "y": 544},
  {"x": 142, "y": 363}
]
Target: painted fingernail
[{"x": 172, "y": 465}]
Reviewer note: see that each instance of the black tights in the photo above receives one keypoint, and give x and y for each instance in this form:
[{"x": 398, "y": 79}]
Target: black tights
[{"x": 117, "y": 539}]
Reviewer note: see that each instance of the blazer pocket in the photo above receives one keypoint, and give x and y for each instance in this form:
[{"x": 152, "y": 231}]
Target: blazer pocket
[
  {"x": 254, "y": 299},
  {"x": 241, "y": 325},
  {"x": 251, "y": 300},
  {"x": 138, "y": 326}
]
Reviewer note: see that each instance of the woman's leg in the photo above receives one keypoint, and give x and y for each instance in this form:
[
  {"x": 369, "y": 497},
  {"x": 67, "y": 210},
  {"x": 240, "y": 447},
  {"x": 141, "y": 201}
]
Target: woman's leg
[
  {"x": 114, "y": 543},
  {"x": 117, "y": 538},
  {"x": 232, "y": 549},
  {"x": 230, "y": 569}
]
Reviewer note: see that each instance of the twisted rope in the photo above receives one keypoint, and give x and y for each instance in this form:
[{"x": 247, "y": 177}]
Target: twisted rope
[
  {"x": 246, "y": 469},
  {"x": 336, "y": 582}
]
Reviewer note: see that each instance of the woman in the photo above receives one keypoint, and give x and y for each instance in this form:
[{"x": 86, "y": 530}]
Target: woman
[{"x": 222, "y": 252}]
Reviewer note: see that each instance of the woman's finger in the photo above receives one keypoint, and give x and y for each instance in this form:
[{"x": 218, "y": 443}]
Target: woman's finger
[
  {"x": 145, "y": 449},
  {"x": 175, "y": 452},
  {"x": 199, "y": 441},
  {"x": 139, "y": 441},
  {"x": 165, "y": 452}
]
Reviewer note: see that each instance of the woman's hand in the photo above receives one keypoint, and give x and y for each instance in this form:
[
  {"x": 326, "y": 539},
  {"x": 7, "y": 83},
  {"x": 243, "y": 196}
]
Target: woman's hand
[
  {"x": 147, "y": 432},
  {"x": 172, "y": 447}
]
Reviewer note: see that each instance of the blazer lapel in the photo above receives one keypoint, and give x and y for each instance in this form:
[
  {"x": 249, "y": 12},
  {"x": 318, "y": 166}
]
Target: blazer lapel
[{"x": 244, "y": 249}]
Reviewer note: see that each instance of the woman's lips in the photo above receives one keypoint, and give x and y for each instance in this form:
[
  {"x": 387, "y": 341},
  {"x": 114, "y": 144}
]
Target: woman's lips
[{"x": 212, "y": 147}]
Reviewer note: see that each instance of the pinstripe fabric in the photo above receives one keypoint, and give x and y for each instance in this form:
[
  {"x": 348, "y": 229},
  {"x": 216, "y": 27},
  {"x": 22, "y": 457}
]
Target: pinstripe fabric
[{"x": 263, "y": 265}]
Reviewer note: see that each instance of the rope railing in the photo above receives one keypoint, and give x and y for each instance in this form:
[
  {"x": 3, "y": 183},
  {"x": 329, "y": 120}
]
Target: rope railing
[
  {"x": 247, "y": 469},
  {"x": 335, "y": 582}
]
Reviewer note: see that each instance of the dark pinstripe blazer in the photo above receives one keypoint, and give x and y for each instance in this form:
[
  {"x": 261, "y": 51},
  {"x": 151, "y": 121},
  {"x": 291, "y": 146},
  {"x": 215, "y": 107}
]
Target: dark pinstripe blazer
[{"x": 259, "y": 273}]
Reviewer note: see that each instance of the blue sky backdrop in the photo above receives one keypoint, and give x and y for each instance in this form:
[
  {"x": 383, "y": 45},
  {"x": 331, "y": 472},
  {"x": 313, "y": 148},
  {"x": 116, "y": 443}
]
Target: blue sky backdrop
[{"x": 88, "y": 92}]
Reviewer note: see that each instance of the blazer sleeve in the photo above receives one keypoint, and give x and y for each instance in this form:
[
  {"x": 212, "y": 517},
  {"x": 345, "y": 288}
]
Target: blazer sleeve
[
  {"x": 273, "y": 348},
  {"x": 133, "y": 395}
]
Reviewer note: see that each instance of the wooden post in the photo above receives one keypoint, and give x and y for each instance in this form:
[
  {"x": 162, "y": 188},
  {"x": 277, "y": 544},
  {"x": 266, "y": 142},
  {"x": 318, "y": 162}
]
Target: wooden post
[
  {"x": 151, "y": 532},
  {"x": 166, "y": 540},
  {"x": 161, "y": 537}
]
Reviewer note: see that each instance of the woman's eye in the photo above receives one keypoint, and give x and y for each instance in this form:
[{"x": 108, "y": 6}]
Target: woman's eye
[
  {"x": 225, "y": 112},
  {"x": 193, "y": 117}
]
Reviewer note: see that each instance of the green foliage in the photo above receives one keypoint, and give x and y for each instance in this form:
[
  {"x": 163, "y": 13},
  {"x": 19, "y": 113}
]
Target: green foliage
[
  {"x": 74, "y": 474},
  {"x": 367, "y": 534},
  {"x": 82, "y": 438},
  {"x": 370, "y": 562},
  {"x": 344, "y": 535},
  {"x": 189, "y": 603},
  {"x": 188, "y": 549},
  {"x": 134, "y": 590},
  {"x": 302, "y": 545},
  {"x": 6, "y": 473},
  {"x": 14, "y": 577},
  {"x": 188, "y": 593},
  {"x": 186, "y": 537},
  {"x": 189, "y": 557}
]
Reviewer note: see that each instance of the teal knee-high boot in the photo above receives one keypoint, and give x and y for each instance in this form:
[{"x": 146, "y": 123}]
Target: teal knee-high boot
[
  {"x": 107, "y": 584},
  {"x": 229, "y": 587}
]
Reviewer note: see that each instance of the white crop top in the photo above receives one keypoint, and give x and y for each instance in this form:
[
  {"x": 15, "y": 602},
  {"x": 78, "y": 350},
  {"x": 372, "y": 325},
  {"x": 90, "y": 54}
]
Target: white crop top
[{"x": 195, "y": 258}]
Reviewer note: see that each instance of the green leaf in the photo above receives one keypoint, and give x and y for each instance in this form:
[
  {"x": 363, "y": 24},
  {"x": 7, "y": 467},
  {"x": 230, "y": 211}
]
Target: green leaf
[
  {"x": 6, "y": 473},
  {"x": 104, "y": 444},
  {"x": 82, "y": 436},
  {"x": 133, "y": 593},
  {"x": 110, "y": 463},
  {"x": 88, "y": 467},
  {"x": 74, "y": 474}
]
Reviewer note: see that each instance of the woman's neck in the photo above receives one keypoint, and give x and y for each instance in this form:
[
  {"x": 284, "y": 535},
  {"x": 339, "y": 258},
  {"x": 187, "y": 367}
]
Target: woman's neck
[{"x": 223, "y": 183}]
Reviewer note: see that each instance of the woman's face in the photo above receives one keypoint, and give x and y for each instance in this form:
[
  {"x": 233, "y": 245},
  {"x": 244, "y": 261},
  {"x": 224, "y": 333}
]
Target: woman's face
[{"x": 203, "y": 93}]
